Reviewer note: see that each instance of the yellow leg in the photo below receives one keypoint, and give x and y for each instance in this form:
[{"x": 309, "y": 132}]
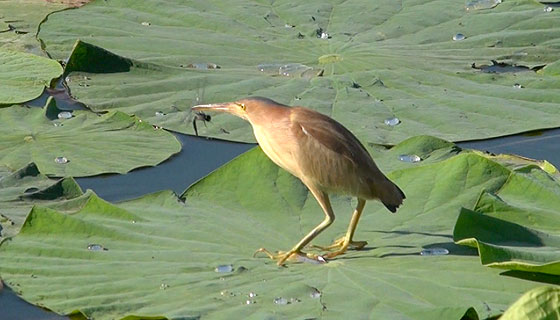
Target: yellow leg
[
  {"x": 325, "y": 204},
  {"x": 343, "y": 243}
]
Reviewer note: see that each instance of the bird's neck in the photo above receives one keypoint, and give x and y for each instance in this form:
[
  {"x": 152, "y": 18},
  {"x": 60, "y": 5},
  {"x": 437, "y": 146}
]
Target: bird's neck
[{"x": 270, "y": 115}]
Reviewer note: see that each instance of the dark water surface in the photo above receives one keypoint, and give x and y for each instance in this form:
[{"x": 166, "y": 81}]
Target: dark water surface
[
  {"x": 200, "y": 156},
  {"x": 539, "y": 145}
]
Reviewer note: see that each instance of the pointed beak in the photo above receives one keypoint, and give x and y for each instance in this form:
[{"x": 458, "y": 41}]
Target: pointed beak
[{"x": 219, "y": 107}]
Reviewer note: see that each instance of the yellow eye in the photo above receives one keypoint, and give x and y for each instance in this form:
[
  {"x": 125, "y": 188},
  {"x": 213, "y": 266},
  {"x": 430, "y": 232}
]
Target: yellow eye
[{"x": 242, "y": 105}]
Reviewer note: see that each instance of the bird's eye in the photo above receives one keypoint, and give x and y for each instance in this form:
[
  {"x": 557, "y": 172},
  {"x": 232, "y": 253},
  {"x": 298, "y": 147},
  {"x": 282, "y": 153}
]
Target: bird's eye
[{"x": 242, "y": 105}]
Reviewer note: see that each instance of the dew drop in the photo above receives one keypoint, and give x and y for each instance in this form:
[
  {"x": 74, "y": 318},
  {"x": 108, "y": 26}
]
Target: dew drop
[
  {"x": 548, "y": 9},
  {"x": 65, "y": 115},
  {"x": 96, "y": 247},
  {"x": 434, "y": 252},
  {"x": 289, "y": 26},
  {"x": 159, "y": 114},
  {"x": 252, "y": 295},
  {"x": 481, "y": 4},
  {"x": 61, "y": 160},
  {"x": 201, "y": 66},
  {"x": 459, "y": 37},
  {"x": 250, "y": 301},
  {"x": 164, "y": 286},
  {"x": 224, "y": 268},
  {"x": 294, "y": 300},
  {"x": 412, "y": 158},
  {"x": 315, "y": 293},
  {"x": 226, "y": 293},
  {"x": 285, "y": 69},
  {"x": 57, "y": 124},
  {"x": 324, "y": 35},
  {"x": 518, "y": 86},
  {"x": 146, "y": 23},
  {"x": 280, "y": 300},
  {"x": 392, "y": 121}
]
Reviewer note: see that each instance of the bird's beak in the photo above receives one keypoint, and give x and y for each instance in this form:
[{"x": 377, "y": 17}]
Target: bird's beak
[
  {"x": 228, "y": 107},
  {"x": 220, "y": 107}
]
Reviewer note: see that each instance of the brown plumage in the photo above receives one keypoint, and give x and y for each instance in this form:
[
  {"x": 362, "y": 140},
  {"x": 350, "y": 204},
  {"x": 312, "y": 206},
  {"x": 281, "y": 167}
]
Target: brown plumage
[{"x": 323, "y": 154}]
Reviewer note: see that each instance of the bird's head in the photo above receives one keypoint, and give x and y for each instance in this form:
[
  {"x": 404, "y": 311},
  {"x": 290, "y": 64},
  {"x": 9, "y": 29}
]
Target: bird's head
[{"x": 246, "y": 109}]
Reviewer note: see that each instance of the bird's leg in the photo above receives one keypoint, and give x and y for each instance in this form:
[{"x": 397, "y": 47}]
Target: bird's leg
[
  {"x": 296, "y": 252},
  {"x": 343, "y": 243}
]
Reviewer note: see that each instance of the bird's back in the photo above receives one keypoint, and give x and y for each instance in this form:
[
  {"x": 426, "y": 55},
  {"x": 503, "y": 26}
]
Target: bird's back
[{"x": 335, "y": 160}]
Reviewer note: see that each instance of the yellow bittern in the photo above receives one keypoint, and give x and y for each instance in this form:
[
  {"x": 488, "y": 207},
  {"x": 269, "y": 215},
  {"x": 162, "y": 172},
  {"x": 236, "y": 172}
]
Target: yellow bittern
[{"x": 324, "y": 155}]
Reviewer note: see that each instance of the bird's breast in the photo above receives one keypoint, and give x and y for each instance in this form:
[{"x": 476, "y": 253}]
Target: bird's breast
[{"x": 278, "y": 145}]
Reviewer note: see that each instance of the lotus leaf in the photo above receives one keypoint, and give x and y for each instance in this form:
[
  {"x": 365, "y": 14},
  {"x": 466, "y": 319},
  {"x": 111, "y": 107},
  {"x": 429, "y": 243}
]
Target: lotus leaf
[
  {"x": 22, "y": 189},
  {"x": 518, "y": 227},
  {"x": 19, "y": 21},
  {"x": 541, "y": 303},
  {"x": 360, "y": 62},
  {"x": 24, "y": 76},
  {"x": 157, "y": 256},
  {"x": 86, "y": 144}
]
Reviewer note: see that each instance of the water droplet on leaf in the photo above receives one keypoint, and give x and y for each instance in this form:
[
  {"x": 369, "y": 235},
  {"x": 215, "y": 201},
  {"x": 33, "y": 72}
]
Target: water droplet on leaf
[
  {"x": 96, "y": 247},
  {"x": 280, "y": 300},
  {"x": 61, "y": 160},
  {"x": 146, "y": 23},
  {"x": 517, "y": 86},
  {"x": 434, "y": 252},
  {"x": 548, "y": 9},
  {"x": 65, "y": 115},
  {"x": 459, "y": 37},
  {"x": 481, "y": 4},
  {"x": 392, "y": 121},
  {"x": 412, "y": 158},
  {"x": 315, "y": 293},
  {"x": 224, "y": 268}
]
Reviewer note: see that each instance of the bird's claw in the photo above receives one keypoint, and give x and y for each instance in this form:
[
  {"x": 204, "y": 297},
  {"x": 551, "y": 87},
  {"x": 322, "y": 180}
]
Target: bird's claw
[
  {"x": 295, "y": 255},
  {"x": 338, "y": 244}
]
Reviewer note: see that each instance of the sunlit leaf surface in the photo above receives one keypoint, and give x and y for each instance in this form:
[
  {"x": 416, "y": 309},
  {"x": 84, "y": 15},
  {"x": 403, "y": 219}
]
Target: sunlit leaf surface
[
  {"x": 158, "y": 255},
  {"x": 361, "y": 62},
  {"x": 85, "y": 144},
  {"x": 23, "y": 76}
]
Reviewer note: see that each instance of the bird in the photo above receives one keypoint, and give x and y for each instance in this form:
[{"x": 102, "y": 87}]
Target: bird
[{"x": 324, "y": 155}]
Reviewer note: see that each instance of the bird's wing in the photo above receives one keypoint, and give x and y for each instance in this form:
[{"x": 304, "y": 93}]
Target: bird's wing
[{"x": 329, "y": 134}]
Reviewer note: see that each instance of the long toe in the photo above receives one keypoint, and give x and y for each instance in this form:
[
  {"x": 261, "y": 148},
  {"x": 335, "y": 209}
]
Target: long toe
[
  {"x": 298, "y": 256},
  {"x": 339, "y": 243}
]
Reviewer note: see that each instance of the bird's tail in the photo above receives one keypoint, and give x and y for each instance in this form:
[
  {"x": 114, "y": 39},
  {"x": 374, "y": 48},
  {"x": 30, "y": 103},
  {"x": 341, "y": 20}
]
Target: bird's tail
[{"x": 390, "y": 195}]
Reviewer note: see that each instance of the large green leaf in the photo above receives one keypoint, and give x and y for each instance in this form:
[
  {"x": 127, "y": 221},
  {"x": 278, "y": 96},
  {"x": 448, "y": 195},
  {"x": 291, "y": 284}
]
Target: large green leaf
[
  {"x": 90, "y": 144},
  {"x": 19, "y": 22},
  {"x": 537, "y": 304},
  {"x": 383, "y": 59},
  {"x": 24, "y": 76},
  {"x": 22, "y": 189},
  {"x": 162, "y": 252},
  {"x": 518, "y": 227}
]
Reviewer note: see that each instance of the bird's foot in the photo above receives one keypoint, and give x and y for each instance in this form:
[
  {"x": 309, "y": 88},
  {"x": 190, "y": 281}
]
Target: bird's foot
[
  {"x": 338, "y": 244},
  {"x": 292, "y": 255}
]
